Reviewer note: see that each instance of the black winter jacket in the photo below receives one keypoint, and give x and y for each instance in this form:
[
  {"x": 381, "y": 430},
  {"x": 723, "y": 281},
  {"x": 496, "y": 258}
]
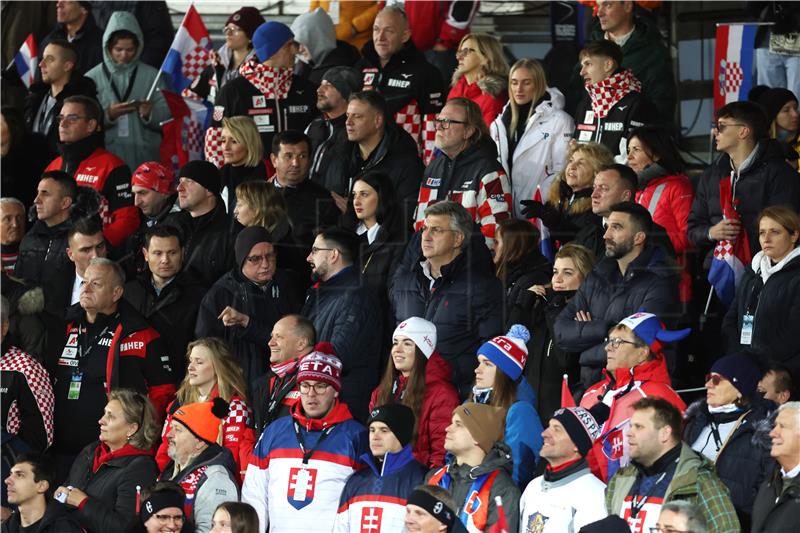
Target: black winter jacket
[
  {"x": 43, "y": 252},
  {"x": 632, "y": 111},
  {"x": 310, "y": 207},
  {"x": 133, "y": 261},
  {"x": 209, "y": 246},
  {"x": 344, "y": 55},
  {"x": 232, "y": 176},
  {"x": 88, "y": 43},
  {"x": 56, "y": 519},
  {"x": 531, "y": 269},
  {"x": 330, "y": 151},
  {"x": 777, "y": 504}
]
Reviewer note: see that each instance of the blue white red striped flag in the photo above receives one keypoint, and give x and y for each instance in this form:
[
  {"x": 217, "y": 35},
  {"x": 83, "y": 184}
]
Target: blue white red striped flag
[
  {"x": 26, "y": 61},
  {"x": 733, "y": 63},
  {"x": 190, "y": 52}
]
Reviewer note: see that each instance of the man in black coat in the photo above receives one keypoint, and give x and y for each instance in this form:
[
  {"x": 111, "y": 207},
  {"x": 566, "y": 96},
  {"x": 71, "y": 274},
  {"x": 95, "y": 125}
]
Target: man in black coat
[
  {"x": 345, "y": 315},
  {"x": 76, "y": 25}
]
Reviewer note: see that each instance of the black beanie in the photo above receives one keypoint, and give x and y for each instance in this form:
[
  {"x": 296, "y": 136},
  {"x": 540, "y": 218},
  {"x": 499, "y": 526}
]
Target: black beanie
[
  {"x": 399, "y": 418},
  {"x": 346, "y": 80},
  {"x": 204, "y": 173},
  {"x": 247, "y": 238},
  {"x": 772, "y": 100},
  {"x": 581, "y": 426}
]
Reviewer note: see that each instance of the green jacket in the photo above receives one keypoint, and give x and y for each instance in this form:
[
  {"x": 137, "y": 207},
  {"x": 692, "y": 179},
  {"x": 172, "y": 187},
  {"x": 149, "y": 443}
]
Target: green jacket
[
  {"x": 694, "y": 481},
  {"x": 141, "y": 141}
]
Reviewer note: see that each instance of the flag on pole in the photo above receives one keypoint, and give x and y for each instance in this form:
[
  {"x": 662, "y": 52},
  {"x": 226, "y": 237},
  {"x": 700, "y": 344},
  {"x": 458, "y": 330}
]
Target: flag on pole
[
  {"x": 26, "y": 61},
  {"x": 190, "y": 52},
  {"x": 501, "y": 525},
  {"x": 733, "y": 62},
  {"x": 545, "y": 243},
  {"x": 183, "y": 135},
  {"x": 566, "y": 396}
]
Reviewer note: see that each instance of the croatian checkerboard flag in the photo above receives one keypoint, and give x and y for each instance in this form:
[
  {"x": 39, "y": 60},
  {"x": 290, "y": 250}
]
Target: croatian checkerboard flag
[
  {"x": 190, "y": 53},
  {"x": 733, "y": 62},
  {"x": 183, "y": 135},
  {"x": 26, "y": 61}
]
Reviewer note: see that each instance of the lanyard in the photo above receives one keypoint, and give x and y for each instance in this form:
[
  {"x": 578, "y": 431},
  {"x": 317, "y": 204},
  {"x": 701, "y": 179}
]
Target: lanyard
[
  {"x": 476, "y": 487},
  {"x": 114, "y": 85},
  {"x": 308, "y": 453},
  {"x": 636, "y": 506},
  {"x": 276, "y": 397}
]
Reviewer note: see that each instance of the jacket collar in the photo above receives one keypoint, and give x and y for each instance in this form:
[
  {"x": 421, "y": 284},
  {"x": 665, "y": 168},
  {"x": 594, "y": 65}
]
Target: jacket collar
[
  {"x": 392, "y": 462},
  {"x": 339, "y": 413},
  {"x": 80, "y": 150}
]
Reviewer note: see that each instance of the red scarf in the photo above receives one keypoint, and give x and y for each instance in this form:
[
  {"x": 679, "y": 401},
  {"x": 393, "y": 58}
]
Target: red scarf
[
  {"x": 102, "y": 454},
  {"x": 271, "y": 82},
  {"x": 606, "y": 93}
]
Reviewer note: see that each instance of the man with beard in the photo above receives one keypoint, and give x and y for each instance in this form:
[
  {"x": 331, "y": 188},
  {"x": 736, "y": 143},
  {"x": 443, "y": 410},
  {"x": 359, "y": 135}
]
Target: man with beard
[{"x": 635, "y": 275}]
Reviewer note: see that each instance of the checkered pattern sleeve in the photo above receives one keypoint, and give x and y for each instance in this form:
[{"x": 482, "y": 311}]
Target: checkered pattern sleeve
[
  {"x": 237, "y": 433},
  {"x": 35, "y": 402},
  {"x": 493, "y": 203}
]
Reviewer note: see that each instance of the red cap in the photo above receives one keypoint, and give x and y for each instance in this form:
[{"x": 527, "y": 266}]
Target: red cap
[{"x": 155, "y": 176}]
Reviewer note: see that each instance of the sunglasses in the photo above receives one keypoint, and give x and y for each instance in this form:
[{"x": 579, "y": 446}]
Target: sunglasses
[{"x": 715, "y": 379}]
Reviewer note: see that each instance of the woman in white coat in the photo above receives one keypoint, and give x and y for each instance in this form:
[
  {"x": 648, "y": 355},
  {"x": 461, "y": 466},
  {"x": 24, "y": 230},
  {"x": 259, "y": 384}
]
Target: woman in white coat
[{"x": 532, "y": 133}]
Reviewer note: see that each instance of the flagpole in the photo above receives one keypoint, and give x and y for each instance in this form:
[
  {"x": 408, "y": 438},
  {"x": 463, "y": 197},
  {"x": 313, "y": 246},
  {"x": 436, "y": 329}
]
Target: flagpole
[
  {"x": 158, "y": 74},
  {"x": 745, "y": 24}
]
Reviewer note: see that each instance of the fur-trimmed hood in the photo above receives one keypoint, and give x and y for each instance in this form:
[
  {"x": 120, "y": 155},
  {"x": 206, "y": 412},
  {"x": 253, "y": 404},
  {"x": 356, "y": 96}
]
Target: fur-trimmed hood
[
  {"x": 494, "y": 85},
  {"x": 761, "y": 418}
]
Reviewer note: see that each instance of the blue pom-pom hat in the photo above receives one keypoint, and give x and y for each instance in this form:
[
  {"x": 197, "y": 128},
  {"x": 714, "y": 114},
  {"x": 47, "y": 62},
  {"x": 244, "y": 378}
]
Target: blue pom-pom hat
[{"x": 508, "y": 352}]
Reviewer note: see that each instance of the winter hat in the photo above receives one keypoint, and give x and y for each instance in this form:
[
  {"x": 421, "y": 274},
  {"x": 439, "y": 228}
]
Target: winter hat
[
  {"x": 433, "y": 505},
  {"x": 581, "y": 426},
  {"x": 315, "y": 31},
  {"x": 419, "y": 330},
  {"x": 269, "y": 38},
  {"x": 321, "y": 365},
  {"x": 741, "y": 371},
  {"x": 772, "y": 100},
  {"x": 247, "y": 238},
  {"x": 203, "y": 418},
  {"x": 399, "y": 418},
  {"x": 204, "y": 173},
  {"x": 484, "y": 422},
  {"x": 508, "y": 352},
  {"x": 247, "y": 18},
  {"x": 610, "y": 524},
  {"x": 346, "y": 80},
  {"x": 651, "y": 331},
  {"x": 159, "y": 501},
  {"x": 156, "y": 177}
]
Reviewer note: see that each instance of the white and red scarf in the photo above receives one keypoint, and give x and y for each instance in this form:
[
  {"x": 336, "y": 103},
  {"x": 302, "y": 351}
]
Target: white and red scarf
[
  {"x": 606, "y": 93},
  {"x": 271, "y": 82}
]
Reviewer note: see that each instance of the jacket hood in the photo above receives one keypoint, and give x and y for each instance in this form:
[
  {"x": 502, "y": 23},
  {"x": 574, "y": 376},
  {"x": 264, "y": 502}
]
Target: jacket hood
[
  {"x": 316, "y": 32},
  {"x": 499, "y": 457},
  {"x": 437, "y": 370},
  {"x": 494, "y": 85},
  {"x": 338, "y": 413},
  {"x": 122, "y": 20},
  {"x": 409, "y": 52},
  {"x": 759, "y": 419}
]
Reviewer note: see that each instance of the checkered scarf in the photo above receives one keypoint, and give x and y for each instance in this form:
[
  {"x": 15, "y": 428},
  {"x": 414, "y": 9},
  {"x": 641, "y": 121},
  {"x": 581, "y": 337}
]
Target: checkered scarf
[
  {"x": 606, "y": 93},
  {"x": 15, "y": 360},
  {"x": 271, "y": 82}
]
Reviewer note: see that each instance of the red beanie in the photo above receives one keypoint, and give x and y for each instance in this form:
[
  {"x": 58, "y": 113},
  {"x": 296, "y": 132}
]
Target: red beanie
[{"x": 321, "y": 365}]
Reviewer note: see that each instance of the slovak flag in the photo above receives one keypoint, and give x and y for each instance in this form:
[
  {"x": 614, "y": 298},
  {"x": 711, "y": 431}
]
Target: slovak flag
[
  {"x": 733, "y": 62},
  {"x": 190, "y": 52},
  {"x": 501, "y": 525},
  {"x": 545, "y": 243},
  {"x": 26, "y": 61},
  {"x": 183, "y": 135},
  {"x": 730, "y": 257}
]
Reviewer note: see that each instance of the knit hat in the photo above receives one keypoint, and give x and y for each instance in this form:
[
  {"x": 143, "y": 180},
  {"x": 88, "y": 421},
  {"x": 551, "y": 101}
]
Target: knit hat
[
  {"x": 204, "y": 173},
  {"x": 484, "y": 422},
  {"x": 399, "y": 418},
  {"x": 156, "y": 177},
  {"x": 581, "y": 426},
  {"x": 269, "y": 38},
  {"x": 346, "y": 80},
  {"x": 203, "y": 418},
  {"x": 508, "y": 352},
  {"x": 247, "y": 238},
  {"x": 433, "y": 505},
  {"x": 419, "y": 330},
  {"x": 772, "y": 100},
  {"x": 159, "y": 501},
  {"x": 741, "y": 371},
  {"x": 247, "y": 18},
  {"x": 651, "y": 331},
  {"x": 321, "y": 365}
]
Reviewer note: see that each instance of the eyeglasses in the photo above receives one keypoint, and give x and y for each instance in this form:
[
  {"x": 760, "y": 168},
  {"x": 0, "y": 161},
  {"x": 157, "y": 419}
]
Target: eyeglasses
[
  {"x": 715, "y": 379},
  {"x": 464, "y": 52},
  {"x": 720, "y": 127},
  {"x": 434, "y": 230},
  {"x": 616, "y": 342},
  {"x": 230, "y": 30},
  {"x": 164, "y": 518},
  {"x": 314, "y": 249},
  {"x": 257, "y": 259},
  {"x": 668, "y": 529},
  {"x": 444, "y": 123},
  {"x": 69, "y": 119},
  {"x": 319, "y": 388}
]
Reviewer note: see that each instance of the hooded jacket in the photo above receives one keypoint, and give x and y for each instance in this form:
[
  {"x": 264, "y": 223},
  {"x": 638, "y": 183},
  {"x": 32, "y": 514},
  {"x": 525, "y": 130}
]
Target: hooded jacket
[
  {"x": 490, "y": 93},
  {"x": 541, "y": 151},
  {"x": 132, "y": 138},
  {"x": 56, "y": 519},
  {"x": 315, "y": 31}
]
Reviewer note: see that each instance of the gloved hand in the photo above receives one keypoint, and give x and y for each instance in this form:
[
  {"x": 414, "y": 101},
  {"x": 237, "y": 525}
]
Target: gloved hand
[{"x": 545, "y": 212}]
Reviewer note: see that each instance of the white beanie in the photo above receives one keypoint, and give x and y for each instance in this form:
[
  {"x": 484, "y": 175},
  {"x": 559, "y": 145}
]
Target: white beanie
[{"x": 419, "y": 330}]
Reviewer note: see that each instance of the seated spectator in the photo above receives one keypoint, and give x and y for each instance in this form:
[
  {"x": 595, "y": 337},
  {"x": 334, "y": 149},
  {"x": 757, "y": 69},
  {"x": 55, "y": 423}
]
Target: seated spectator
[
  {"x": 613, "y": 184},
  {"x": 528, "y": 156},
  {"x": 243, "y": 157},
  {"x": 567, "y": 496},
  {"x": 214, "y": 372},
  {"x": 60, "y": 79},
  {"x": 244, "y": 304},
  {"x": 568, "y": 208},
  {"x": 730, "y": 428},
  {"x": 499, "y": 383},
  {"x": 206, "y": 471},
  {"x": 774, "y": 508},
  {"x": 756, "y": 165},
  {"x": 12, "y": 231},
  {"x": 613, "y": 103},
  {"x": 536, "y": 307},
  {"x": 664, "y": 470},
  {"x": 516, "y": 258},
  {"x": 285, "y": 104},
  {"x": 43, "y": 250},
  {"x": 416, "y": 376},
  {"x": 105, "y": 499},
  {"x": 30, "y": 486},
  {"x": 124, "y": 82},
  {"x": 636, "y": 368},
  {"x": 156, "y": 23},
  {"x": 27, "y": 321},
  {"x": 392, "y": 473},
  {"x": 310, "y": 205},
  {"x": 345, "y": 314},
  {"x": 776, "y": 384},
  {"x": 762, "y": 315},
  {"x": 76, "y": 24},
  {"x": 477, "y": 471},
  {"x": 678, "y": 515},
  {"x": 235, "y": 517},
  {"x": 467, "y": 172},
  {"x": 431, "y": 509},
  {"x": 161, "y": 510},
  {"x": 312, "y": 452},
  {"x": 444, "y": 264},
  {"x": 209, "y": 245},
  {"x": 21, "y": 156},
  {"x": 634, "y": 275},
  {"x": 80, "y": 130},
  {"x": 319, "y": 49},
  {"x": 293, "y": 337},
  {"x": 780, "y": 106},
  {"x": 481, "y": 74}
]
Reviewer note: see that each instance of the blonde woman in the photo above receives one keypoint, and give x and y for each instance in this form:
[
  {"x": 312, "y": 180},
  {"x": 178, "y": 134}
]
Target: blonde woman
[
  {"x": 532, "y": 133},
  {"x": 481, "y": 74},
  {"x": 243, "y": 156},
  {"x": 214, "y": 372}
]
